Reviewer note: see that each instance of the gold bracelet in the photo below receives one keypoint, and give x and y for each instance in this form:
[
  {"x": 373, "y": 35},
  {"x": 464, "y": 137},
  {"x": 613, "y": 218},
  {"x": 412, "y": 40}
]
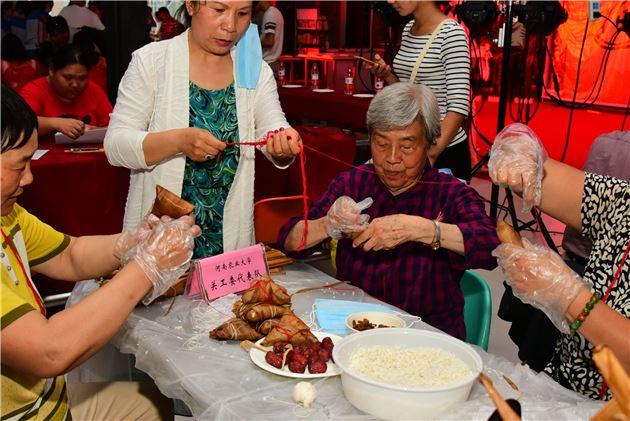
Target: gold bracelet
[{"x": 435, "y": 244}]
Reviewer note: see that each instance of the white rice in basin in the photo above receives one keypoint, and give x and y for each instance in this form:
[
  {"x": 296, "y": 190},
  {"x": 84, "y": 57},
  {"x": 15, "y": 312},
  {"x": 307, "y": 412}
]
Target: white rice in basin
[{"x": 409, "y": 367}]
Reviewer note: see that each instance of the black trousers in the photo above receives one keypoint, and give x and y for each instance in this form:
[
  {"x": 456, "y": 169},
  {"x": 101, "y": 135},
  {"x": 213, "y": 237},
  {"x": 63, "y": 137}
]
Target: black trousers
[{"x": 457, "y": 158}]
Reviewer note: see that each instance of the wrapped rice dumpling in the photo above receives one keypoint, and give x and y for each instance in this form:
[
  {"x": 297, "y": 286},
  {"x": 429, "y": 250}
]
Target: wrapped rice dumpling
[
  {"x": 290, "y": 329},
  {"x": 235, "y": 329},
  {"x": 265, "y": 290},
  {"x": 258, "y": 311}
]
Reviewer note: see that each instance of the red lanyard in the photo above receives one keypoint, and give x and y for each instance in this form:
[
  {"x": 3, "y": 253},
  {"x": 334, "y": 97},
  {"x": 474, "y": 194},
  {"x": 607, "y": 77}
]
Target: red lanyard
[
  {"x": 617, "y": 273},
  {"x": 602, "y": 391},
  {"x": 38, "y": 299}
]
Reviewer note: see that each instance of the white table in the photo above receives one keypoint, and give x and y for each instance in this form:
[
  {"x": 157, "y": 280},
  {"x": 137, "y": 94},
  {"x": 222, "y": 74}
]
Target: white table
[{"x": 217, "y": 380}]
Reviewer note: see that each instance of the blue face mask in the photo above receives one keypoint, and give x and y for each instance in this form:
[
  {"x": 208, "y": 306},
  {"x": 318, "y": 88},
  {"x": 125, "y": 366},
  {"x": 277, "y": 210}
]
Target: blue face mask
[
  {"x": 332, "y": 314},
  {"x": 248, "y": 58}
]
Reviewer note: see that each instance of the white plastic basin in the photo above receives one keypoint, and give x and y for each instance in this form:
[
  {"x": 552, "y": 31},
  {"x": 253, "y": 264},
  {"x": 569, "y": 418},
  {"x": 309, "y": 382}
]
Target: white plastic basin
[{"x": 404, "y": 403}]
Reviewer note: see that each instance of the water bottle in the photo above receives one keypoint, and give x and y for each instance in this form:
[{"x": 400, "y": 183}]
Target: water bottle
[
  {"x": 349, "y": 81},
  {"x": 281, "y": 74},
  {"x": 378, "y": 84},
  {"x": 314, "y": 76}
]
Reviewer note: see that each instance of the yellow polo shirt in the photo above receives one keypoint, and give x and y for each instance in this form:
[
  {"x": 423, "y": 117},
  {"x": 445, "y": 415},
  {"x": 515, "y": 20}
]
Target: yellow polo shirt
[{"x": 25, "y": 396}]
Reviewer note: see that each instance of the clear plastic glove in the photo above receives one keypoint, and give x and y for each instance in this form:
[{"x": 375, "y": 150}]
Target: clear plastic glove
[
  {"x": 516, "y": 161},
  {"x": 165, "y": 255},
  {"x": 539, "y": 276},
  {"x": 125, "y": 247},
  {"x": 344, "y": 216}
]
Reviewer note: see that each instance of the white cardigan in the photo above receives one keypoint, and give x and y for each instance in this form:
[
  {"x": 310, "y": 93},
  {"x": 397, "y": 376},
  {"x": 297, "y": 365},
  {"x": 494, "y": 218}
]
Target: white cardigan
[{"x": 153, "y": 97}]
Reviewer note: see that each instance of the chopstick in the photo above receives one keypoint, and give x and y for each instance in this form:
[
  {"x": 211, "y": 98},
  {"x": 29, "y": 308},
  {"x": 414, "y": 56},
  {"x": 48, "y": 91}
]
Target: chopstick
[
  {"x": 505, "y": 410},
  {"x": 249, "y": 344},
  {"x": 366, "y": 60}
]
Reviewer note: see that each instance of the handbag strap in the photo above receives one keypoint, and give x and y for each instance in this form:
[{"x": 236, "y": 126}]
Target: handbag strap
[{"x": 425, "y": 50}]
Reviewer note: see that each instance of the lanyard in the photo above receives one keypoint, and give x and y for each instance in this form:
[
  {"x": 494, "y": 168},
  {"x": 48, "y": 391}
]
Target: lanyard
[{"x": 38, "y": 299}]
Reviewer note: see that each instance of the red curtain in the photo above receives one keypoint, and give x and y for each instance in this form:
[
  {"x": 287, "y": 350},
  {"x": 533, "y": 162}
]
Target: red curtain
[{"x": 565, "y": 46}]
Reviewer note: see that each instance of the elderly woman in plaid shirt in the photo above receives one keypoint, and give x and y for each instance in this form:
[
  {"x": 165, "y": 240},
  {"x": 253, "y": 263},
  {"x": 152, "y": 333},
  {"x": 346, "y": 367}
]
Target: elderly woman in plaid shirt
[{"x": 426, "y": 227}]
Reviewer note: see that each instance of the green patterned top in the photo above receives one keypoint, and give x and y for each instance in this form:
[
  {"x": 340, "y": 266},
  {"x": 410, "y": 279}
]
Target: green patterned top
[{"x": 207, "y": 184}]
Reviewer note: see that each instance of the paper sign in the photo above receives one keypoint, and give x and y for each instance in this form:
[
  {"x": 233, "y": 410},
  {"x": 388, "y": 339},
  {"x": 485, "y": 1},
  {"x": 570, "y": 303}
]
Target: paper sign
[
  {"x": 230, "y": 272},
  {"x": 39, "y": 153},
  {"x": 90, "y": 136}
]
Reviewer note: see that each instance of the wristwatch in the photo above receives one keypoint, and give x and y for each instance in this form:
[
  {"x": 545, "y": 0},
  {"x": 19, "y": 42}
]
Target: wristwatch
[{"x": 435, "y": 244}]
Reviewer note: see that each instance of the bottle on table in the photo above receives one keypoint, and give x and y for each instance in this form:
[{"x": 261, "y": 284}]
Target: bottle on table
[
  {"x": 314, "y": 76},
  {"x": 379, "y": 84},
  {"x": 282, "y": 74},
  {"x": 349, "y": 81}
]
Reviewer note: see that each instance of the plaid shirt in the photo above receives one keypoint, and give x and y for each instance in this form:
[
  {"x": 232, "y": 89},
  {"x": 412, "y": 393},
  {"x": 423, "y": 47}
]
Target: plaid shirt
[{"x": 412, "y": 276}]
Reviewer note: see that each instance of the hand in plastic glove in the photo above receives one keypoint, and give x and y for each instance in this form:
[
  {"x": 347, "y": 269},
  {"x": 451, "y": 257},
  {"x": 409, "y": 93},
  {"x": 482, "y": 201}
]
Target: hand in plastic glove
[
  {"x": 344, "y": 216},
  {"x": 516, "y": 161},
  {"x": 165, "y": 255},
  {"x": 539, "y": 276},
  {"x": 125, "y": 246}
]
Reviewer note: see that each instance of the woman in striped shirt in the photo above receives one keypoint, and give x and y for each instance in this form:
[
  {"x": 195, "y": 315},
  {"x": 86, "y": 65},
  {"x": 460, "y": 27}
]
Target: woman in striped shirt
[{"x": 445, "y": 69}]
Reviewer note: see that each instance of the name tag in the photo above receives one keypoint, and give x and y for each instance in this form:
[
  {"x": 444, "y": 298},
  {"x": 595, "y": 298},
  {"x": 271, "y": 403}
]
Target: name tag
[{"x": 226, "y": 273}]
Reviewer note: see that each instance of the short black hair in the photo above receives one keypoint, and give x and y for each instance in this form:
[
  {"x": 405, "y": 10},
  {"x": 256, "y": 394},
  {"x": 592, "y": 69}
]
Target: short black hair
[
  {"x": 56, "y": 24},
  {"x": 72, "y": 54},
  {"x": 163, "y": 10},
  {"x": 12, "y": 48},
  {"x": 18, "y": 120}
]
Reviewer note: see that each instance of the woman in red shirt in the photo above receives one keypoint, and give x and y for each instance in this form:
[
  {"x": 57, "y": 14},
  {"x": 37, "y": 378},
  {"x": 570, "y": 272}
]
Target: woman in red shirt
[
  {"x": 17, "y": 69},
  {"x": 66, "y": 100}
]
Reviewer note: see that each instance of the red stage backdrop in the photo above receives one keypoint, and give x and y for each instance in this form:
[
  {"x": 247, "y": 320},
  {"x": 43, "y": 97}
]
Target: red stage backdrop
[{"x": 565, "y": 45}]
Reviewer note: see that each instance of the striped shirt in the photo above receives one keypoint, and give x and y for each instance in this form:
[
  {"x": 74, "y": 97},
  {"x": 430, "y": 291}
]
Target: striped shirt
[
  {"x": 412, "y": 276},
  {"x": 445, "y": 68}
]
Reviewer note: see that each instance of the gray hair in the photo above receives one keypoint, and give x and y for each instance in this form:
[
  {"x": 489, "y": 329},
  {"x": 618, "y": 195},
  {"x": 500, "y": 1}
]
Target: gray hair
[{"x": 399, "y": 105}]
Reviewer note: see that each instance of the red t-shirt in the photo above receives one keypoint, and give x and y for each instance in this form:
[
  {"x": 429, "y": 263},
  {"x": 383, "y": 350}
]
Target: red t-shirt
[{"x": 92, "y": 107}]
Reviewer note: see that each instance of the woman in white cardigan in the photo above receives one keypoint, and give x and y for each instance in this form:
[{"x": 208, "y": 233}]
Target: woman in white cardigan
[{"x": 179, "y": 103}]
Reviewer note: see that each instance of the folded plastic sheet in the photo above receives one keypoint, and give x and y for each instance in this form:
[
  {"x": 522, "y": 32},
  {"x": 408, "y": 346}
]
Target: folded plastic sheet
[{"x": 217, "y": 380}]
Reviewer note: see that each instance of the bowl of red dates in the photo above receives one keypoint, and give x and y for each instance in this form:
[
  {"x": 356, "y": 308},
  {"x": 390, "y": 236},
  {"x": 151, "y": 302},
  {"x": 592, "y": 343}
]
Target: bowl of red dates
[{"x": 366, "y": 320}]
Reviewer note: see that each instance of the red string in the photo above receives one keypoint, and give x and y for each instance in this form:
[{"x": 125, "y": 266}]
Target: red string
[
  {"x": 604, "y": 389},
  {"x": 617, "y": 273},
  {"x": 38, "y": 299},
  {"x": 365, "y": 170},
  {"x": 304, "y": 197},
  {"x": 288, "y": 334},
  {"x": 304, "y": 182},
  {"x": 264, "y": 286}
]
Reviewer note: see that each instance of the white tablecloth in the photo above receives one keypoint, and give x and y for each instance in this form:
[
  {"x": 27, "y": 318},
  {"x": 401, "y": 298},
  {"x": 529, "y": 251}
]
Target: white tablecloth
[{"x": 217, "y": 380}]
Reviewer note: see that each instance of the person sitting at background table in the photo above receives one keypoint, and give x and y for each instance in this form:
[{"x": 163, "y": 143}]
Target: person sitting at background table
[
  {"x": 37, "y": 351},
  {"x": 426, "y": 228},
  {"x": 85, "y": 41},
  {"x": 58, "y": 36},
  {"x": 445, "y": 69},
  {"x": 179, "y": 103},
  {"x": 66, "y": 100},
  {"x": 17, "y": 68},
  {"x": 169, "y": 26},
  {"x": 589, "y": 310}
]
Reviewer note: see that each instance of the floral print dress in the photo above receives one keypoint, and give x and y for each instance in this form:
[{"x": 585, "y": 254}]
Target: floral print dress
[{"x": 207, "y": 184}]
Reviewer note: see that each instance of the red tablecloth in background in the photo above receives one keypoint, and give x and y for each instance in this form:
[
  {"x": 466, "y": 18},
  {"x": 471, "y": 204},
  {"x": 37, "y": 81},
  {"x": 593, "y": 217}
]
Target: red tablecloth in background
[
  {"x": 336, "y": 109},
  {"x": 76, "y": 193}
]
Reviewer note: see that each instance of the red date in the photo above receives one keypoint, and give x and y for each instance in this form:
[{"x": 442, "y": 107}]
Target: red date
[{"x": 274, "y": 359}]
